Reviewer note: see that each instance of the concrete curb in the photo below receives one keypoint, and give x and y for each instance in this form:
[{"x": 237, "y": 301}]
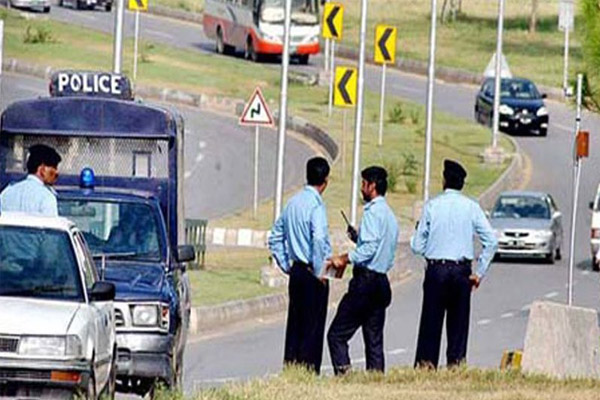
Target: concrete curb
[{"x": 220, "y": 104}]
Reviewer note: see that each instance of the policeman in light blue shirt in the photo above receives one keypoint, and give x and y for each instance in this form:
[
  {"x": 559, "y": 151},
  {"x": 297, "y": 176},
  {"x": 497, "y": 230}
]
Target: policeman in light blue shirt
[
  {"x": 299, "y": 242},
  {"x": 444, "y": 236},
  {"x": 369, "y": 293},
  {"x": 34, "y": 194}
]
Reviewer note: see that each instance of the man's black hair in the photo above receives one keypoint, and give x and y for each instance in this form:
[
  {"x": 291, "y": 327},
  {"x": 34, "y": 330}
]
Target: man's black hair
[
  {"x": 377, "y": 175},
  {"x": 454, "y": 175},
  {"x": 317, "y": 171},
  {"x": 41, "y": 154}
]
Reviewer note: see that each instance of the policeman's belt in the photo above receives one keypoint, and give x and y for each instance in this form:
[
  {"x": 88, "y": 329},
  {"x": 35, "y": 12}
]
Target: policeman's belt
[
  {"x": 368, "y": 273},
  {"x": 449, "y": 263},
  {"x": 304, "y": 265}
]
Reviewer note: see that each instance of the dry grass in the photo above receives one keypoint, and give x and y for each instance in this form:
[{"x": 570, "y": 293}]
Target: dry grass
[{"x": 408, "y": 384}]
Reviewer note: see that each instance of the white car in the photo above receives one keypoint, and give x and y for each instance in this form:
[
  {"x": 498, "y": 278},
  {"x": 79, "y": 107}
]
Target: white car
[
  {"x": 57, "y": 335},
  {"x": 43, "y": 5},
  {"x": 595, "y": 231}
]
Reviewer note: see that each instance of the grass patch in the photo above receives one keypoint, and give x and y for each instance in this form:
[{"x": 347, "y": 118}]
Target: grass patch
[{"x": 230, "y": 274}]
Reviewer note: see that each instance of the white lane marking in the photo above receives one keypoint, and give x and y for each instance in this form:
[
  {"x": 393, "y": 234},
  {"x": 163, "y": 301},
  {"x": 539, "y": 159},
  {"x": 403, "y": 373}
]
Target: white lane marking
[
  {"x": 199, "y": 157},
  {"x": 526, "y": 307},
  {"x": 157, "y": 33},
  {"x": 396, "y": 352},
  {"x": 187, "y": 174},
  {"x": 563, "y": 127},
  {"x": 585, "y": 273},
  {"x": 507, "y": 315},
  {"x": 202, "y": 144},
  {"x": 551, "y": 295},
  {"x": 484, "y": 322}
]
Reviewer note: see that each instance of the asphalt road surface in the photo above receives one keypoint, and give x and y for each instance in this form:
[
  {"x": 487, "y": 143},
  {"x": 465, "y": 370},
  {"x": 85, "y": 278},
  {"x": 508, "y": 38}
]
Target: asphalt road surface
[
  {"x": 500, "y": 306},
  {"x": 219, "y": 155}
]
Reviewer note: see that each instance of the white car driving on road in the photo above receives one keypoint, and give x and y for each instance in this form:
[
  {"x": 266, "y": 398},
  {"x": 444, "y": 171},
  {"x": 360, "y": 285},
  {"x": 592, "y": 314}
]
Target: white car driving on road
[{"x": 57, "y": 335}]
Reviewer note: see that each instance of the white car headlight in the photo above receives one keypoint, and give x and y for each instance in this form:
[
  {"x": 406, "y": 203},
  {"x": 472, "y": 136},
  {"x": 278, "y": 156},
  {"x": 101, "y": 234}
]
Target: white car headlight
[
  {"x": 52, "y": 346},
  {"x": 145, "y": 315},
  {"x": 272, "y": 38},
  {"x": 542, "y": 234},
  {"x": 506, "y": 110},
  {"x": 542, "y": 111}
]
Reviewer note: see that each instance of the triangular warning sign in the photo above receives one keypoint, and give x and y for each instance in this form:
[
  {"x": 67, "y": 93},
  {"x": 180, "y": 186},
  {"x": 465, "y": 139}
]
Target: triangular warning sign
[
  {"x": 256, "y": 111},
  {"x": 490, "y": 70}
]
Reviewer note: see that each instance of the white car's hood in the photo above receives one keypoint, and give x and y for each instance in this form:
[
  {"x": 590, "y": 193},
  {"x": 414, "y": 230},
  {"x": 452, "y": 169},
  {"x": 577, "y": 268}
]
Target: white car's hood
[{"x": 23, "y": 316}]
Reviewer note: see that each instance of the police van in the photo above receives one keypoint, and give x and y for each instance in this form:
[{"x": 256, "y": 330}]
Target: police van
[{"x": 121, "y": 182}]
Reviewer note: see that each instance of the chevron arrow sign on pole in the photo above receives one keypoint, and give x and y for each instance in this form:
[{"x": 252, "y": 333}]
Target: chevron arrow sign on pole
[
  {"x": 333, "y": 18},
  {"x": 138, "y": 5},
  {"x": 385, "y": 44},
  {"x": 345, "y": 87}
]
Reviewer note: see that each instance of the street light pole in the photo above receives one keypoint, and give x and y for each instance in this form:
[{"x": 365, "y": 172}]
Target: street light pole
[
  {"x": 498, "y": 77},
  {"x": 429, "y": 106},
  {"x": 285, "y": 62},
  {"x": 118, "y": 37},
  {"x": 359, "y": 114}
]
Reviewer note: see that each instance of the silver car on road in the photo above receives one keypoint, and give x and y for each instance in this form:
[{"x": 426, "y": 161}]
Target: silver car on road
[
  {"x": 57, "y": 333},
  {"x": 527, "y": 224}
]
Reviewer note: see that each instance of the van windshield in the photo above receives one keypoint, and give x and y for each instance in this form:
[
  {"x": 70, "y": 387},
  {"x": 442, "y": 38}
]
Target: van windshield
[
  {"x": 127, "y": 231},
  {"x": 304, "y": 12}
]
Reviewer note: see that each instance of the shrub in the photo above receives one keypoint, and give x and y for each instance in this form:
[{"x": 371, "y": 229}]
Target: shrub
[
  {"x": 394, "y": 173},
  {"x": 411, "y": 185},
  {"x": 410, "y": 165},
  {"x": 396, "y": 114},
  {"x": 38, "y": 35}
]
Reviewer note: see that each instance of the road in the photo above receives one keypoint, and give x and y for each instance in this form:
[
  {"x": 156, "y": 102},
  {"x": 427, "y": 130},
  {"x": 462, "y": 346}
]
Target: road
[
  {"x": 214, "y": 185},
  {"x": 500, "y": 306}
]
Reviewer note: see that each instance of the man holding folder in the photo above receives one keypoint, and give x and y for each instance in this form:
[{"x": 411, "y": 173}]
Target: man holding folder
[{"x": 299, "y": 242}]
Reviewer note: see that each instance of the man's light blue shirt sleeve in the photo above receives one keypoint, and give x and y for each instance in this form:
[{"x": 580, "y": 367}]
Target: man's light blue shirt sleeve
[
  {"x": 488, "y": 239},
  {"x": 321, "y": 250},
  {"x": 418, "y": 241},
  {"x": 277, "y": 245},
  {"x": 368, "y": 242}
]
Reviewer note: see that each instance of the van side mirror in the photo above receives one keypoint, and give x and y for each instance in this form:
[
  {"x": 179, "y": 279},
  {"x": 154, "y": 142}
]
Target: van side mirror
[
  {"x": 103, "y": 291},
  {"x": 185, "y": 253},
  {"x": 544, "y": 95},
  {"x": 557, "y": 214}
]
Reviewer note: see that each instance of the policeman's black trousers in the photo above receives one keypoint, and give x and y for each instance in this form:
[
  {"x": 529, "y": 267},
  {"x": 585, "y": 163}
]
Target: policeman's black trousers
[
  {"x": 446, "y": 290},
  {"x": 307, "y": 312},
  {"x": 363, "y": 306}
]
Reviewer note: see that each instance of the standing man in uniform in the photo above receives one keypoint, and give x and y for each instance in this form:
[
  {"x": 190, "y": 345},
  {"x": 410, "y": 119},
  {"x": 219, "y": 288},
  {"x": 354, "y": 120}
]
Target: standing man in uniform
[
  {"x": 444, "y": 236},
  {"x": 34, "y": 194},
  {"x": 299, "y": 242},
  {"x": 369, "y": 292}
]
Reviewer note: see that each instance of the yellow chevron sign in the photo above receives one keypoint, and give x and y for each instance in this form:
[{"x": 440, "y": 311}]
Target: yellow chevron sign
[
  {"x": 138, "y": 5},
  {"x": 344, "y": 93},
  {"x": 385, "y": 44},
  {"x": 333, "y": 18}
]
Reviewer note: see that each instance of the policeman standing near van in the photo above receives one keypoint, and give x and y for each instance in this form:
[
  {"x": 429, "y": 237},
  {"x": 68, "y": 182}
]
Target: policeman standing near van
[
  {"x": 299, "y": 242},
  {"x": 369, "y": 292},
  {"x": 444, "y": 236},
  {"x": 34, "y": 194}
]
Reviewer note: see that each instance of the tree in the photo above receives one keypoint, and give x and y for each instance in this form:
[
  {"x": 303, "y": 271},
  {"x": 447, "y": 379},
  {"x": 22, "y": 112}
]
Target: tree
[
  {"x": 533, "y": 16},
  {"x": 590, "y": 12},
  {"x": 450, "y": 9}
]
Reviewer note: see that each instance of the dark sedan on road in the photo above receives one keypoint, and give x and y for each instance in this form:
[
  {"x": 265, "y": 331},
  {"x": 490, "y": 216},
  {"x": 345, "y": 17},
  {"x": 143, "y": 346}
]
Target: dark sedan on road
[
  {"x": 521, "y": 109},
  {"x": 527, "y": 224}
]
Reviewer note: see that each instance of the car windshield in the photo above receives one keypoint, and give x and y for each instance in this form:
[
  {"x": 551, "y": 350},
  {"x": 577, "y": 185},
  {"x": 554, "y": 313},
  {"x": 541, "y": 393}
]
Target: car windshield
[
  {"x": 518, "y": 90},
  {"x": 38, "y": 263},
  {"x": 521, "y": 207},
  {"x": 304, "y": 12},
  {"x": 127, "y": 231}
]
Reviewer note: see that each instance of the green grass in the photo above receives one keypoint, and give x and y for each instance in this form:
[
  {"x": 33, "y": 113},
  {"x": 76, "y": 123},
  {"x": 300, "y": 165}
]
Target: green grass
[
  {"x": 407, "y": 384},
  {"x": 230, "y": 274},
  {"x": 469, "y": 42}
]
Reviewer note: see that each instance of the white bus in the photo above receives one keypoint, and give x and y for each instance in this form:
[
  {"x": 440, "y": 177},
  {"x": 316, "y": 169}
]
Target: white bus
[{"x": 256, "y": 26}]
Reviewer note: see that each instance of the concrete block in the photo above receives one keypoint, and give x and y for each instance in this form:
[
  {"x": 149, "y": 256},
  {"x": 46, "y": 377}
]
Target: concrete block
[
  {"x": 231, "y": 237},
  {"x": 562, "y": 341},
  {"x": 244, "y": 237},
  {"x": 259, "y": 239},
  {"x": 219, "y": 236}
]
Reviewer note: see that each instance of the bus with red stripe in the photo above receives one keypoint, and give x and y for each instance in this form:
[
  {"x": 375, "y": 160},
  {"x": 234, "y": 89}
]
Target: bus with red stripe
[{"x": 256, "y": 27}]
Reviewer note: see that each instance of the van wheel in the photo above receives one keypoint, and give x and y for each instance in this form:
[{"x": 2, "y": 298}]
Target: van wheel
[
  {"x": 108, "y": 7},
  {"x": 543, "y": 132},
  {"x": 46, "y": 10},
  {"x": 549, "y": 258},
  {"x": 303, "y": 59},
  {"x": 558, "y": 255},
  {"x": 90, "y": 393},
  {"x": 595, "y": 265},
  {"x": 250, "y": 52}
]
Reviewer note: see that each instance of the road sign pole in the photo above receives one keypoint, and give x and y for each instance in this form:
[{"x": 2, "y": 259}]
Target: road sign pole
[
  {"x": 1, "y": 50},
  {"x": 359, "y": 114},
  {"x": 429, "y": 111},
  {"x": 577, "y": 178},
  {"x": 285, "y": 61},
  {"x": 326, "y": 56},
  {"x": 135, "y": 43},
  {"x": 382, "y": 104},
  {"x": 344, "y": 129},
  {"x": 331, "y": 78},
  {"x": 498, "y": 75},
  {"x": 566, "y": 60},
  {"x": 256, "y": 150},
  {"x": 118, "y": 37}
]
